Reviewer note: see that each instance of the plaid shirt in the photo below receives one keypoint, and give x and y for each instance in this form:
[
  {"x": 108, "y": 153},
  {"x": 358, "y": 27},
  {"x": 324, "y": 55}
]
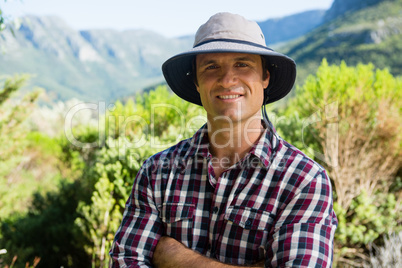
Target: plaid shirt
[{"x": 274, "y": 204}]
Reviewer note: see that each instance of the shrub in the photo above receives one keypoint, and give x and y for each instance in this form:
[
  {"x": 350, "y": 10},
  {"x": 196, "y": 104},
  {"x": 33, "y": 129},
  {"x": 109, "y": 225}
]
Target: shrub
[
  {"x": 348, "y": 119},
  {"x": 389, "y": 255}
]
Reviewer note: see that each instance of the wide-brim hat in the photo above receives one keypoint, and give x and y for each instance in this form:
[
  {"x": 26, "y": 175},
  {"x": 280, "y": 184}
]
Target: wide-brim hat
[{"x": 226, "y": 32}]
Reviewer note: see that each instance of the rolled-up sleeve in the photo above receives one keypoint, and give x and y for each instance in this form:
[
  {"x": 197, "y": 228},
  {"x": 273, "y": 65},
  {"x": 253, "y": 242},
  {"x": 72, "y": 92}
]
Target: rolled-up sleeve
[{"x": 141, "y": 227}]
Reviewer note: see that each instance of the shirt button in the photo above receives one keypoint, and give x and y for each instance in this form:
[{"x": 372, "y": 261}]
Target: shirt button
[
  {"x": 216, "y": 209},
  {"x": 248, "y": 223}
]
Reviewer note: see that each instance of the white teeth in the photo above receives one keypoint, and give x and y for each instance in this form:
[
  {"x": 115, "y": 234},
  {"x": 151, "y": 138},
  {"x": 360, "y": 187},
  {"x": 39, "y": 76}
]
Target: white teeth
[{"x": 229, "y": 97}]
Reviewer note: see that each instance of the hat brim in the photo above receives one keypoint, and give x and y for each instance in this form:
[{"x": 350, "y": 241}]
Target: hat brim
[{"x": 177, "y": 70}]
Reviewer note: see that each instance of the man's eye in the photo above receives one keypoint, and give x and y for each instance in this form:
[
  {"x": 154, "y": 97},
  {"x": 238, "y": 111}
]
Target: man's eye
[
  {"x": 240, "y": 64},
  {"x": 211, "y": 67}
]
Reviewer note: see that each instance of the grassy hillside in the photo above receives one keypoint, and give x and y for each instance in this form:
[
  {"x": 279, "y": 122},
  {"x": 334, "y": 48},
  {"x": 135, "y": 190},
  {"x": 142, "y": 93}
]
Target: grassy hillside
[{"x": 372, "y": 34}]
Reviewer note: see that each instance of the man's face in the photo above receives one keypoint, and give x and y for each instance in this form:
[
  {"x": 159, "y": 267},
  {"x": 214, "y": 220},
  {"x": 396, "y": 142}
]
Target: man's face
[{"x": 231, "y": 85}]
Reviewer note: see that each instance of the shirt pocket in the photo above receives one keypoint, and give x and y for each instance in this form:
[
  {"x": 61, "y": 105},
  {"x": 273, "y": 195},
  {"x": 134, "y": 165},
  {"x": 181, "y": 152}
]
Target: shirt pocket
[
  {"x": 249, "y": 218},
  {"x": 246, "y": 232},
  {"x": 178, "y": 221}
]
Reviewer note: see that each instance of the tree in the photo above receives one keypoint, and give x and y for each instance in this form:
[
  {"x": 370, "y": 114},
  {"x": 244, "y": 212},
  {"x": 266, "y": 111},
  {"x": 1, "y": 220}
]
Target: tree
[{"x": 2, "y": 25}]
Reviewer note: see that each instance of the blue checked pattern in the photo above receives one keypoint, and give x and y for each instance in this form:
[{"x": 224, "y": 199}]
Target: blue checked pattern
[{"x": 273, "y": 205}]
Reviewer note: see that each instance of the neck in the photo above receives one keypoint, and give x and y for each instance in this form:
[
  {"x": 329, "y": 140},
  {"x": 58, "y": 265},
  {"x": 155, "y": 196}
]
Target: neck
[{"x": 233, "y": 140}]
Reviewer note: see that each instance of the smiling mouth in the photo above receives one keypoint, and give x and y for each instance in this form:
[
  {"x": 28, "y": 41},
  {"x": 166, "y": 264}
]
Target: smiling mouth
[{"x": 226, "y": 97}]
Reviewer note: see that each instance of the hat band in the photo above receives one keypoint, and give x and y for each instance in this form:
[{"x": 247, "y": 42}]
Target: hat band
[{"x": 233, "y": 41}]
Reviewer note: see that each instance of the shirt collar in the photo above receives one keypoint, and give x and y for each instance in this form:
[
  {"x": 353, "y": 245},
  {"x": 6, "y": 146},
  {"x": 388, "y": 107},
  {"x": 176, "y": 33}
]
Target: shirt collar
[
  {"x": 263, "y": 149},
  {"x": 199, "y": 143},
  {"x": 266, "y": 146}
]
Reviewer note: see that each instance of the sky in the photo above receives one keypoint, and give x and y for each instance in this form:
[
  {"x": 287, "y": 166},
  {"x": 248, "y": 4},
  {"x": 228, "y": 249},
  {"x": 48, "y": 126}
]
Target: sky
[{"x": 171, "y": 18}]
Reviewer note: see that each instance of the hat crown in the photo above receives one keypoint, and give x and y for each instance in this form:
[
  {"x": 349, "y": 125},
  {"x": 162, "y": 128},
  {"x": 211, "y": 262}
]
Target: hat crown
[{"x": 229, "y": 26}]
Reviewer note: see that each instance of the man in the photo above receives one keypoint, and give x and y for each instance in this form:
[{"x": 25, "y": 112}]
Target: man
[{"x": 235, "y": 193}]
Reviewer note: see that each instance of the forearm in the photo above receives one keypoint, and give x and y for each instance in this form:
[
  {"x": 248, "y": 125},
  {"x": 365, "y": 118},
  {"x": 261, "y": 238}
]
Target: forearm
[{"x": 170, "y": 253}]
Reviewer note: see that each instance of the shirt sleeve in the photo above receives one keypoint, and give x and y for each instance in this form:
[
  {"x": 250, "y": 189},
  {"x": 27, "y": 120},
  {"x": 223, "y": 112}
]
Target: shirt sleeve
[
  {"x": 141, "y": 227},
  {"x": 303, "y": 235}
]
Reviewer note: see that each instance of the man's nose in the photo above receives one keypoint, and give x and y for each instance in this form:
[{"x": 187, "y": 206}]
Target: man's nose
[{"x": 227, "y": 77}]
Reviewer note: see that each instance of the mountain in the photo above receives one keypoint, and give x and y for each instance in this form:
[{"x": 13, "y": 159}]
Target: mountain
[
  {"x": 105, "y": 65},
  {"x": 95, "y": 65},
  {"x": 280, "y": 30},
  {"x": 88, "y": 65},
  {"x": 343, "y": 7},
  {"x": 369, "y": 32}
]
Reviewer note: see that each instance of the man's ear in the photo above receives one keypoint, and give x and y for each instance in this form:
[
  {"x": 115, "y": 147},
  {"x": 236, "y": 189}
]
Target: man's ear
[{"x": 265, "y": 81}]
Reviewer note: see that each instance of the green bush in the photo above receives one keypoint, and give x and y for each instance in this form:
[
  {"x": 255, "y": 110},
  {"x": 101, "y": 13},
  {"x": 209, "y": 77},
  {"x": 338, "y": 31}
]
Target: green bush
[
  {"x": 348, "y": 119},
  {"x": 134, "y": 131},
  {"x": 48, "y": 231}
]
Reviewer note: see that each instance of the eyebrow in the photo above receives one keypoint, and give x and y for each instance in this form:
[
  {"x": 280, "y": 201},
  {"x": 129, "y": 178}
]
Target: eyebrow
[
  {"x": 205, "y": 63},
  {"x": 240, "y": 58},
  {"x": 244, "y": 58}
]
